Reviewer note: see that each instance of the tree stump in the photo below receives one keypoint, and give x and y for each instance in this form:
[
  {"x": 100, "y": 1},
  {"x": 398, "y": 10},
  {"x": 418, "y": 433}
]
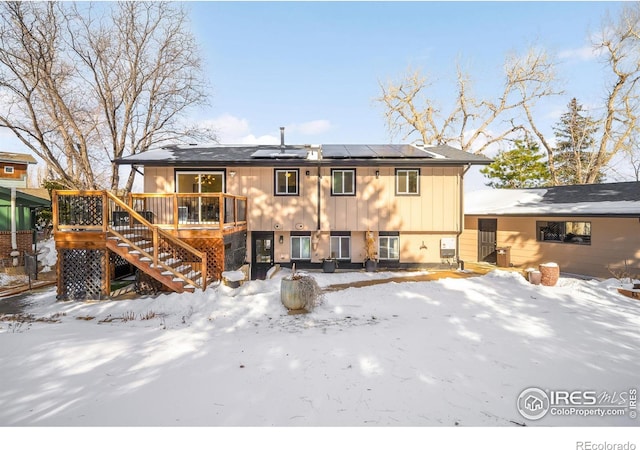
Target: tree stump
[{"x": 550, "y": 272}]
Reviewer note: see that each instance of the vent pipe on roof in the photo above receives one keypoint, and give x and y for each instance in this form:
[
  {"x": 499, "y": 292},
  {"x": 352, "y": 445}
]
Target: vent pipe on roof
[{"x": 282, "y": 138}]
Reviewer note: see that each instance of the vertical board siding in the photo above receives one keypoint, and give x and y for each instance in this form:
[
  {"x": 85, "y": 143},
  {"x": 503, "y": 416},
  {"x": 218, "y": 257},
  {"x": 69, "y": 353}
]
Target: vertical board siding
[{"x": 613, "y": 241}]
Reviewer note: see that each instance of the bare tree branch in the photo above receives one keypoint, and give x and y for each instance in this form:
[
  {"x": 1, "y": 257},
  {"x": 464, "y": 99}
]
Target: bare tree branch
[{"x": 78, "y": 84}]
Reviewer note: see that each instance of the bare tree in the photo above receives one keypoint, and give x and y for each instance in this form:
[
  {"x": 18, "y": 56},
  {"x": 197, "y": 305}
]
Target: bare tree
[
  {"x": 84, "y": 85},
  {"x": 471, "y": 124},
  {"x": 617, "y": 44}
]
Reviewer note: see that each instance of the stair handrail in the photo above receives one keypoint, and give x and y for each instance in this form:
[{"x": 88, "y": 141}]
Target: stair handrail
[{"x": 157, "y": 231}]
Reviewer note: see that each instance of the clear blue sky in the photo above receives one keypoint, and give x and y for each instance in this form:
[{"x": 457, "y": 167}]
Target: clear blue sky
[{"x": 314, "y": 67}]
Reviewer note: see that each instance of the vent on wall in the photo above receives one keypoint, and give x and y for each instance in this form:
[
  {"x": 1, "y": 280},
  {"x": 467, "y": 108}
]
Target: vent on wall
[
  {"x": 299, "y": 226},
  {"x": 277, "y": 226}
]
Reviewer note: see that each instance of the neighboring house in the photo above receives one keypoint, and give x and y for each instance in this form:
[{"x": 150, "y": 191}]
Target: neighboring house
[
  {"x": 269, "y": 204},
  {"x": 586, "y": 229},
  {"x": 27, "y": 202},
  {"x": 13, "y": 169},
  {"x": 307, "y": 203}
]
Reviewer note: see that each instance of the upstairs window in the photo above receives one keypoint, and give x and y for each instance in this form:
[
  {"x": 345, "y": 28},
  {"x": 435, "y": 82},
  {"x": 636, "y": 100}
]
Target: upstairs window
[
  {"x": 286, "y": 182},
  {"x": 343, "y": 182},
  {"x": 8, "y": 169},
  {"x": 564, "y": 232},
  {"x": 192, "y": 182},
  {"x": 407, "y": 181}
]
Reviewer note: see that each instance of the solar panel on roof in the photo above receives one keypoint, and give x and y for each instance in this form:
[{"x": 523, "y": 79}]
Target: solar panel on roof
[
  {"x": 386, "y": 151},
  {"x": 334, "y": 151}
]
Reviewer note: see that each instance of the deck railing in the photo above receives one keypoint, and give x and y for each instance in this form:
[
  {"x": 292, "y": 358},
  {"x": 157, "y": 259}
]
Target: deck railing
[
  {"x": 184, "y": 211},
  {"x": 87, "y": 210}
]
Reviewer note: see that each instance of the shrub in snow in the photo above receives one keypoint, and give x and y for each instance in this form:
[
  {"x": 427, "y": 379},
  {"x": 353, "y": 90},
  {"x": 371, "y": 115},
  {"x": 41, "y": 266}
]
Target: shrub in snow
[{"x": 300, "y": 291}]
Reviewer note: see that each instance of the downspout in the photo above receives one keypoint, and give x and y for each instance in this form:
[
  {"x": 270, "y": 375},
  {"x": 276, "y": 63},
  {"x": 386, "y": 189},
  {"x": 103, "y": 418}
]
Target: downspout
[
  {"x": 319, "y": 198},
  {"x": 14, "y": 238},
  {"x": 461, "y": 223}
]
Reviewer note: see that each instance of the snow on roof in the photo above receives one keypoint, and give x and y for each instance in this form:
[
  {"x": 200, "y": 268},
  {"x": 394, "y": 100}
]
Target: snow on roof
[{"x": 580, "y": 200}]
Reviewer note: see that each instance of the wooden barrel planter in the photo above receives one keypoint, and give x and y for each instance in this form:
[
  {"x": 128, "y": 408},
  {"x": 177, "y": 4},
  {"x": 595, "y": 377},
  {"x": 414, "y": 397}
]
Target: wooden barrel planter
[
  {"x": 291, "y": 294},
  {"x": 549, "y": 274}
]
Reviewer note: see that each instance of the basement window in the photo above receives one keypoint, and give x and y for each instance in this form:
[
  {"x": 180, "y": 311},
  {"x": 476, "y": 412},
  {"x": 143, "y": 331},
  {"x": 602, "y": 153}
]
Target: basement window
[
  {"x": 300, "y": 247},
  {"x": 389, "y": 246},
  {"x": 341, "y": 245},
  {"x": 578, "y": 233}
]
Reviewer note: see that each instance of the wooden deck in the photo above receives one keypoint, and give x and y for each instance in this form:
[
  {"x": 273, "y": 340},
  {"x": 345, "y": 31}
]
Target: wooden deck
[{"x": 177, "y": 239}]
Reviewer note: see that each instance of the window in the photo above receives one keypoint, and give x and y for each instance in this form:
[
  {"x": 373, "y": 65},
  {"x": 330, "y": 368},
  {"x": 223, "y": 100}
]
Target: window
[
  {"x": 343, "y": 182},
  {"x": 200, "y": 182},
  {"x": 341, "y": 247},
  {"x": 287, "y": 182},
  {"x": 389, "y": 247},
  {"x": 300, "y": 247},
  {"x": 564, "y": 232},
  {"x": 407, "y": 182},
  {"x": 197, "y": 208},
  {"x": 8, "y": 169}
]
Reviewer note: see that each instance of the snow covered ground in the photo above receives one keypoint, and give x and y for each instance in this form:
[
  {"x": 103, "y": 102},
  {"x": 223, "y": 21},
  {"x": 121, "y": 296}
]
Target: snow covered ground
[{"x": 453, "y": 352}]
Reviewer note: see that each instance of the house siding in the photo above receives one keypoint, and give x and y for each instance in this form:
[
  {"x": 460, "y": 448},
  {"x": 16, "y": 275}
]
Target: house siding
[
  {"x": 613, "y": 241},
  {"x": 16, "y": 179},
  {"x": 422, "y": 220}
]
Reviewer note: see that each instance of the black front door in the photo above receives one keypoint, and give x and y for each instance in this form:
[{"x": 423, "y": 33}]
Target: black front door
[
  {"x": 487, "y": 229},
  {"x": 261, "y": 254}
]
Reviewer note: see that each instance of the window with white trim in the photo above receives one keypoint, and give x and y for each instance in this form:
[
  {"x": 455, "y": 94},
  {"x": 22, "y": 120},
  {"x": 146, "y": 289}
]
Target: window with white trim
[
  {"x": 300, "y": 247},
  {"x": 341, "y": 247},
  {"x": 9, "y": 169},
  {"x": 286, "y": 181},
  {"x": 407, "y": 181},
  {"x": 343, "y": 182},
  {"x": 389, "y": 247}
]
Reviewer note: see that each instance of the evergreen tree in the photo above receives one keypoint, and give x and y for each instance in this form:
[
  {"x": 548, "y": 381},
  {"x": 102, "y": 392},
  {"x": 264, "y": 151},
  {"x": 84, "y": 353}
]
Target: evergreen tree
[
  {"x": 575, "y": 155},
  {"x": 521, "y": 167}
]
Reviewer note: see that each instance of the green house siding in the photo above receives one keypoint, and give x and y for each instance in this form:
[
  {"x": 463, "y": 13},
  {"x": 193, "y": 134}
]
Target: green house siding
[{"x": 23, "y": 218}]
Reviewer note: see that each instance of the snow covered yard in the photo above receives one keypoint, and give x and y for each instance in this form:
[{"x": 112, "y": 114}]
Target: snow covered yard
[{"x": 442, "y": 353}]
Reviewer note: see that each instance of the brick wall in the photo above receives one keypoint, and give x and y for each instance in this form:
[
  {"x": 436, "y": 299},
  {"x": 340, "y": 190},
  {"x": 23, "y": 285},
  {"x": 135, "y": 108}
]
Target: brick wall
[{"x": 25, "y": 243}]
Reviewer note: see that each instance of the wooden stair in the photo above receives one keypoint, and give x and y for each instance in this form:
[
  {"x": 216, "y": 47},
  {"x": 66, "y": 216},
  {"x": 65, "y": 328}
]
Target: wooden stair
[{"x": 131, "y": 254}]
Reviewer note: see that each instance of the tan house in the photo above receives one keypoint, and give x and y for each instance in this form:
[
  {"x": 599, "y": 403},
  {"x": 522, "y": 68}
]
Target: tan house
[
  {"x": 586, "y": 229},
  {"x": 14, "y": 168},
  {"x": 286, "y": 204}
]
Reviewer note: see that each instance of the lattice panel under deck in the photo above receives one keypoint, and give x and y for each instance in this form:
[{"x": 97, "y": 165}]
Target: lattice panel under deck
[
  {"x": 83, "y": 274},
  {"x": 214, "y": 248}
]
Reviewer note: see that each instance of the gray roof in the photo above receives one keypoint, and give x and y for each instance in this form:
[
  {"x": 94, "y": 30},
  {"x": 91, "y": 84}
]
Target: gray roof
[
  {"x": 275, "y": 155},
  {"x": 580, "y": 193},
  {"x": 607, "y": 199},
  {"x": 21, "y": 158}
]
